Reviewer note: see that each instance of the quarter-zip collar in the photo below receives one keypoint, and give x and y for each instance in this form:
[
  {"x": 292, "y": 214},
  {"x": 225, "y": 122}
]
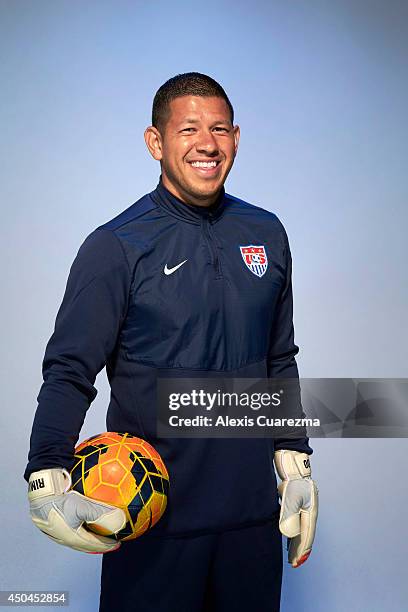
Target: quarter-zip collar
[{"x": 187, "y": 212}]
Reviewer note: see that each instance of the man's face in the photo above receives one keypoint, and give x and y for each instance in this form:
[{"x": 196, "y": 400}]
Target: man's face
[{"x": 196, "y": 148}]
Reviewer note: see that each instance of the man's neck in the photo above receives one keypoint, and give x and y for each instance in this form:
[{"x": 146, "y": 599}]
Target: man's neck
[{"x": 187, "y": 198}]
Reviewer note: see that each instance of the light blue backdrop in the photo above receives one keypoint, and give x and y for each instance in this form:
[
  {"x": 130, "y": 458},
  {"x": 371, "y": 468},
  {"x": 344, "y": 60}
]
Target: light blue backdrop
[{"x": 320, "y": 93}]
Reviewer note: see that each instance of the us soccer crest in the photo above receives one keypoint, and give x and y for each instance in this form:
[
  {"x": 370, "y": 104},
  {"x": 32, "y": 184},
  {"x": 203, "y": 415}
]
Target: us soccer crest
[{"x": 255, "y": 259}]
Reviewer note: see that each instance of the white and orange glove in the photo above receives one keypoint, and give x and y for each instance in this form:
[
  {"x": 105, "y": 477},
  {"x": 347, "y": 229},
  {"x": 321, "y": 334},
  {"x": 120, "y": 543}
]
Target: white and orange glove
[
  {"x": 63, "y": 514},
  {"x": 299, "y": 503}
]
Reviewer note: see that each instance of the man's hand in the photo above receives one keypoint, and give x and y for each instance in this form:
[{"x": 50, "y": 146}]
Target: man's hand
[
  {"x": 299, "y": 503},
  {"x": 61, "y": 513}
]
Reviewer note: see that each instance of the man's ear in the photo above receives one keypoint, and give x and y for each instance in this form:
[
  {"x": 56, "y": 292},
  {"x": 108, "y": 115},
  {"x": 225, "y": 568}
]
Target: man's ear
[
  {"x": 237, "y": 133},
  {"x": 153, "y": 142}
]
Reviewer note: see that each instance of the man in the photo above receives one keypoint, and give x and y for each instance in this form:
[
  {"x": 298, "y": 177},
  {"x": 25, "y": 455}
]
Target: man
[{"x": 169, "y": 286}]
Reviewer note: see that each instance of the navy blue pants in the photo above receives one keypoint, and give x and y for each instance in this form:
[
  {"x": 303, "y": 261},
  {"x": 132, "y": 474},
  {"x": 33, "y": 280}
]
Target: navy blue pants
[{"x": 233, "y": 571}]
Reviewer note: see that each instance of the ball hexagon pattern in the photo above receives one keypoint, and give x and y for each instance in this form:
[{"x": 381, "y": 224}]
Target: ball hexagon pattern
[{"x": 124, "y": 471}]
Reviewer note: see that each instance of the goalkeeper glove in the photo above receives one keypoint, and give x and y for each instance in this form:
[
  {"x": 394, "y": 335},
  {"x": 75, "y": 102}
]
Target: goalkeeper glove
[
  {"x": 299, "y": 503},
  {"x": 61, "y": 514}
]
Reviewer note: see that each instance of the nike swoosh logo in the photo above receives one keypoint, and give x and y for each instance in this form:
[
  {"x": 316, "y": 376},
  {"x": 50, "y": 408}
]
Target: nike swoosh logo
[{"x": 168, "y": 271}]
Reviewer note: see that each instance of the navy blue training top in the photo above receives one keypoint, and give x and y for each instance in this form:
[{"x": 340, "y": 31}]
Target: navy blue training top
[{"x": 223, "y": 310}]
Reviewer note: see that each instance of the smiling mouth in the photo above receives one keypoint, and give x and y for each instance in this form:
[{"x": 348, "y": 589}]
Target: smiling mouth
[
  {"x": 204, "y": 164},
  {"x": 206, "y": 168}
]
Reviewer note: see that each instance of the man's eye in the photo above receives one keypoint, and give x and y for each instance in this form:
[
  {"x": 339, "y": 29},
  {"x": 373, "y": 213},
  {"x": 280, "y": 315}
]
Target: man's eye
[
  {"x": 221, "y": 129},
  {"x": 191, "y": 129}
]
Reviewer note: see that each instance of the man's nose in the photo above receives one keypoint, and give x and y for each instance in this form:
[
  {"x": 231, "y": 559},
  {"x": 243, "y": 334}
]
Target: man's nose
[{"x": 206, "y": 143}]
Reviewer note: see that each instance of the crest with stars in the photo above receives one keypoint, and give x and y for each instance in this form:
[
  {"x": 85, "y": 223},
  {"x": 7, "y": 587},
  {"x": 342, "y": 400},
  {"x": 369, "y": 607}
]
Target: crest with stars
[{"x": 255, "y": 258}]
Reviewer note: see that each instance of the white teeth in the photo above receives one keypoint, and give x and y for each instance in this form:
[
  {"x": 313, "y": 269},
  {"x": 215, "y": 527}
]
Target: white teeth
[{"x": 199, "y": 164}]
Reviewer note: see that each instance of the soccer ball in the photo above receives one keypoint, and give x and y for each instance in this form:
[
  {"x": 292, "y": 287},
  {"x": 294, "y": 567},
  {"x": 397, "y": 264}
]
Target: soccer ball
[{"x": 124, "y": 471}]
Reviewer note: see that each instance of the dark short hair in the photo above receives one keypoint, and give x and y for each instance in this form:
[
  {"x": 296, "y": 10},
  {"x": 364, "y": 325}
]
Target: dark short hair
[{"x": 187, "y": 84}]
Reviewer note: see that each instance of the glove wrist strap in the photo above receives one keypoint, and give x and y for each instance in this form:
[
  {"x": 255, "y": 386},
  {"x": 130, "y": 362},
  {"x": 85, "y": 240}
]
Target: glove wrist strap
[
  {"x": 292, "y": 465},
  {"x": 54, "y": 481}
]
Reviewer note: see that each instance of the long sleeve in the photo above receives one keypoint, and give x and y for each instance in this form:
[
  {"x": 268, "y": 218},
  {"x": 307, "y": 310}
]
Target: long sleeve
[
  {"x": 86, "y": 332},
  {"x": 282, "y": 352}
]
